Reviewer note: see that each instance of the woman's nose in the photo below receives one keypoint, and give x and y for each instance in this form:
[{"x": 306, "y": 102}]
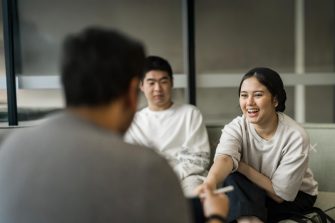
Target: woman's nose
[{"x": 250, "y": 100}]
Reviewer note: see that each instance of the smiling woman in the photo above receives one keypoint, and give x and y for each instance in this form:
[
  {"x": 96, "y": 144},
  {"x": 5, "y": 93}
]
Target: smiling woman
[
  {"x": 260, "y": 98},
  {"x": 263, "y": 154}
]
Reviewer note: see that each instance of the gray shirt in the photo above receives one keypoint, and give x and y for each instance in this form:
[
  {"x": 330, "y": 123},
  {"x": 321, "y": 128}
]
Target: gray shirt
[
  {"x": 283, "y": 158},
  {"x": 69, "y": 170}
]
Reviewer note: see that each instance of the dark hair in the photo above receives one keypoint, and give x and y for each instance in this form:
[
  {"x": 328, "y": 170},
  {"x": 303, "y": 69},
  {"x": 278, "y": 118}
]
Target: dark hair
[
  {"x": 272, "y": 81},
  {"x": 157, "y": 63},
  {"x": 98, "y": 65}
]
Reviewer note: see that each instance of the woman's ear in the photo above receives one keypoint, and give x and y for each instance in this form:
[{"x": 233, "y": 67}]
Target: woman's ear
[{"x": 275, "y": 102}]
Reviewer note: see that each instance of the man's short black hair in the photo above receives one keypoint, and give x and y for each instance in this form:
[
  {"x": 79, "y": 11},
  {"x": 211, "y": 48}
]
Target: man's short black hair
[
  {"x": 157, "y": 63},
  {"x": 98, "y": 65}
]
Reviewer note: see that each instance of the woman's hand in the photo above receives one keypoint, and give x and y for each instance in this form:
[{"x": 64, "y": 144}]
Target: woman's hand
[{"x": 220, "y": 169}]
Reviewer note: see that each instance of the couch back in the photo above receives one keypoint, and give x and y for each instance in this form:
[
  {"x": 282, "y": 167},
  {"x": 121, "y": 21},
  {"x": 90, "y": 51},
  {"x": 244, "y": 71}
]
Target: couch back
[{"x": 322, "y": 157}]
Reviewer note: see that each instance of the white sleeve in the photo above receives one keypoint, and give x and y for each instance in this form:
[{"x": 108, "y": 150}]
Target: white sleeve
[
  {"x": 136, "y": 135},
  {"x": 193, "y": 159}
]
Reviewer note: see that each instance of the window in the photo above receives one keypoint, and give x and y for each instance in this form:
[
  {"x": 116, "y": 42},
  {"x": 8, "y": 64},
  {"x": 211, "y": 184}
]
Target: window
[
  {"x": 235, "y": 36},
  {"x": 295, "y": 38},
  {"x": 44, "y": 24}
]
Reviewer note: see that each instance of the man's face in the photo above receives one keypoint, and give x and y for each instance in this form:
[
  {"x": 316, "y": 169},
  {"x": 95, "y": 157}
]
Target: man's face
[{"x": 157, "y": 87}]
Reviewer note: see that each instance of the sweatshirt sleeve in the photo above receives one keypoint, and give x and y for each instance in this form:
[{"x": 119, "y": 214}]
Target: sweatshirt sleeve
[
  {"x": 288, "y": 176},
  {"x": 193, "y": 159},
  {"x": 231, "y": 141}
]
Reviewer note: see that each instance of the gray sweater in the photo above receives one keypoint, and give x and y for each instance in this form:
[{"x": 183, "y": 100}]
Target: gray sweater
[{"x": 69, "y": 170}]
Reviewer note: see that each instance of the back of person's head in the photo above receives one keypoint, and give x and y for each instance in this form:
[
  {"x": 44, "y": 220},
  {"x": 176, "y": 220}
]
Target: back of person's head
[
  {"x": 272, "y": 81},
  {"x": 98, "y": 65},
  {"x": 157, "y": 63}
]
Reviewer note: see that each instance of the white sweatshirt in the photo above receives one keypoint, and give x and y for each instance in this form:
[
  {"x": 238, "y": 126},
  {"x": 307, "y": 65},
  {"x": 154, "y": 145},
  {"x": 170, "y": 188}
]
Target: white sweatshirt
[{"x": 180, "y": 135}]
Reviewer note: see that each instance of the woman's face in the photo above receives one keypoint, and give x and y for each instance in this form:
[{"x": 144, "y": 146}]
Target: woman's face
[{"x": 257, "y": 103}]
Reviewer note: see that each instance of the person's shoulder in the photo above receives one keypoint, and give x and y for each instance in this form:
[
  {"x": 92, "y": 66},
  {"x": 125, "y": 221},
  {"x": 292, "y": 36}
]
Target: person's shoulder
[
  {"x": 141, "y": 150},
  {"x": 291, "y": 126},
  {"x": 142, "y": 110},
  {"x": 237, "y": 121},
  {"x": 145, "y": 156},
  {"x": 236, "y": 126},
  {"x": 187, "y": 108},
  {"x": 21, "y": 135},
  {"x": 13, "y": 136},
  {"x": 141, "y": 113}
]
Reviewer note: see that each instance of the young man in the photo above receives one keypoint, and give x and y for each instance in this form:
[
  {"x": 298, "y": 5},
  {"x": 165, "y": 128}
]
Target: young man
[
  {"x": 176, "y": 131},
  {"x": 75, "y": 166}
]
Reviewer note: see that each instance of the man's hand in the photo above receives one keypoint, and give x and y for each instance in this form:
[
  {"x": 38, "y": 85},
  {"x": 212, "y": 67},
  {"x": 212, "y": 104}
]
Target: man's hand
[
  {"x": 214, "y": 203},
  {"x": 200, "y": 190}
]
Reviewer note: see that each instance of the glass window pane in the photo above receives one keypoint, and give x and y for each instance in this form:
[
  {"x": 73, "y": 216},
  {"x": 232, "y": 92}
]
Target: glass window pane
[
  {"x": 43, "y": 25},
  {"x": 320, "y": 52},
  {"x": 3, "y": 92},
  {"x": 235, "y": 36}
]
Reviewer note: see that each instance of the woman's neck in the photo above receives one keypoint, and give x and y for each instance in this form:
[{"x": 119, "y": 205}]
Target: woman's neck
[{"x": 269, "y": 129}]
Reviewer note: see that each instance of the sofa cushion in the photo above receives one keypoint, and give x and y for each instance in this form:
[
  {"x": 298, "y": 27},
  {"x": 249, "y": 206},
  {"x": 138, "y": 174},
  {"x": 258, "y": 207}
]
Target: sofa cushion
[{"x": 322, "y": 156}]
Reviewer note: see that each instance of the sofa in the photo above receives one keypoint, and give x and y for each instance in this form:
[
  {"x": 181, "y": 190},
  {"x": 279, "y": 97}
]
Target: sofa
[{"x": 322, "y": 160}]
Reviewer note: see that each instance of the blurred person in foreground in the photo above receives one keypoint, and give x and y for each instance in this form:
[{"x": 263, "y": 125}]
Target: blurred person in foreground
[{"x": 75, "y": 167}]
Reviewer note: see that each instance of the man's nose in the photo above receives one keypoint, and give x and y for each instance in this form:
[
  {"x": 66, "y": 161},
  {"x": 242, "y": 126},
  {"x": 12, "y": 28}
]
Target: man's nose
[{"x": 157, "y": 87}]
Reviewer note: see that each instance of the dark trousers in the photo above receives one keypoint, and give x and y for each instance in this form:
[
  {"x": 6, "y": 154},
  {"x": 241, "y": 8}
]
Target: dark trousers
[{"x": 247, "y": 199}]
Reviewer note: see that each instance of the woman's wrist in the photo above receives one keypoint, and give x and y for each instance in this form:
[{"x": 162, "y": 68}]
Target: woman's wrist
[{"x": 242, "y": 168}]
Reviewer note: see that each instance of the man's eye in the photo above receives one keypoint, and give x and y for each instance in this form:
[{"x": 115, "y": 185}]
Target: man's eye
[{"x": 243, "y": 95}]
